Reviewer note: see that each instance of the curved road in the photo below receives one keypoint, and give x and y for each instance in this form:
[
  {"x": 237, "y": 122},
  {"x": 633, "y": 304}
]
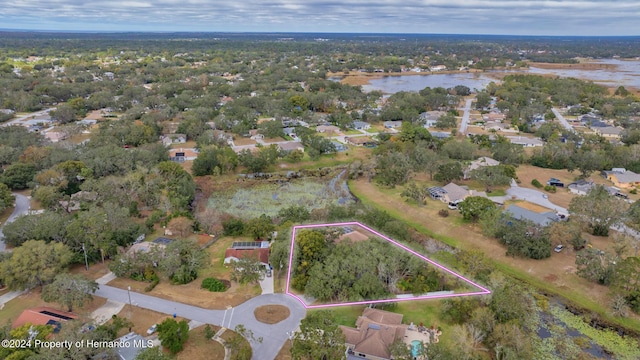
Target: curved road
[
  {"x": 273, "y": 336},
  {"x": 22, "y": 207}
]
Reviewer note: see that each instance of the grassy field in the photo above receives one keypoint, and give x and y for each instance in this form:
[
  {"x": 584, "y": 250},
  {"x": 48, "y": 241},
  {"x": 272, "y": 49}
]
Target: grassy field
[
  {"x": 31, "y": 299},
  {"x": 269, "y": 198},
  {"x": 554, "y": 275},
  {"x": 198, "y": 347}
]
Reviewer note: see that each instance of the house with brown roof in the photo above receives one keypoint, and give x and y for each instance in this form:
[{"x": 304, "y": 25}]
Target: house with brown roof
[
  {"x": 248, "y": 249},
  {"x": 291, "y": 146},
  {"x": 43, "y": 316},
  {"x": 358, "y": 140},
  {"x": 375, "y": 331},
  {"x": 327, "y": 129},
  {"x": 183, "y": 154}
]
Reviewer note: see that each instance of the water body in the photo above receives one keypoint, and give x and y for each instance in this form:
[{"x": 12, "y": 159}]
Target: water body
[
  {"x": 394, "y": 84},
  {"x": 626, "y": 73}
]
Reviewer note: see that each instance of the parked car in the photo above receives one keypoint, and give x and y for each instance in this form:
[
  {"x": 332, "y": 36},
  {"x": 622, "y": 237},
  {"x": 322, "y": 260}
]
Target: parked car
[
  {"x": 558, "y": 248},
  {"x": 268, "y": 272},
  {"x": 152, "y": 329},
  {"x": 545, "y": 196}
]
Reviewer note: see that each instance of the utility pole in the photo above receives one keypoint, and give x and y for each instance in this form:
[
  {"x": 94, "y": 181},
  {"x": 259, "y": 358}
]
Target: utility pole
[{"x": 86, "y": 261}]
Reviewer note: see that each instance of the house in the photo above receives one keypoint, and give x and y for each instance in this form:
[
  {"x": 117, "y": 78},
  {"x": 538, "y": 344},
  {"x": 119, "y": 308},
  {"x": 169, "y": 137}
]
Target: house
[
  {"x": 524, "y": 141},
  {"x": 452, "y": 193},
  {"x": 580, "y": 187},
  {"x": 169, "y": 139},
  {"x": 160, "y": 242},
  {"x": 440, "y": 134},
  {"x": 289, "y": 131},
  {"x": 44, "y": 316},
  {"x": 358, "y": 140},
  {"x": 429, "y": 118},
  {"x": 478, "y": 163},
  {"x": 255, "y": 135},
  {"x": 243, "y": 249},
  {"x": 339, "y": 146},
  {"x": 77, "y": 199},
  {"x": 541, "y": 219},
  {"x": 291, "y": 146},
  {"x": 494, "y": 116},
  {"x": 327, "y": 129},
  {"x": 374, "y": 333},
  {"x": 609, "y": 132},
  {"x": 361, "y": 125},
  {"x": 183, "y": 154},
  {"x": 622, "y": 178},
  {"x": 392, "y": 124},
  {"x": 55, "y": 136},
  {"x": 437, "y": 68}
]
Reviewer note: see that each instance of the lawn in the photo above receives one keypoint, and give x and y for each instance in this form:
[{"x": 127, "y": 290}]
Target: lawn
[
  {"x": 554, "y": 275},
  {"x": 142, "y": 319},
  {"x": 192, "y": 293},
  {"x": 199, "y": 347},
  {"x": 15, "y": 307}
]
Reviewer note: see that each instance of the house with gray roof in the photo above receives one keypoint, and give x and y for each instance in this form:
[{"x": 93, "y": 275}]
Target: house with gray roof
[
  {"x": 622, "y": 178},
  {"x": 525, "y": 141},
  {"x": 361, "y": 125},
  {"x": 542, "y": 219}
]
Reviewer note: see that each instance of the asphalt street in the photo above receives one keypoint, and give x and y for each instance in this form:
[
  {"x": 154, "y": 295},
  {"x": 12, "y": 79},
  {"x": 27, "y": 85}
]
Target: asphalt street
[
  {"x": 273, "y": 336},
  {"x": 465, "y": 117},
  {"x": 22, "y": 207}
]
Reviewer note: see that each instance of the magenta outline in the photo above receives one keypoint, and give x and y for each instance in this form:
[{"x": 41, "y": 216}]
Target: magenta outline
[{"x": 484, "y": 291}]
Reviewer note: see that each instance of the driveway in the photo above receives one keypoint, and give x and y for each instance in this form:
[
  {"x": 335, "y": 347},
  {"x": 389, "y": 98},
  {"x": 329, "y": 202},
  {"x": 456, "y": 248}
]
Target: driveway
[{"x": 273, "y": 336}]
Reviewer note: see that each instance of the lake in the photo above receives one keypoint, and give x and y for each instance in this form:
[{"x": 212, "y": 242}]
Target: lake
[{"x": 626, "y": 73}]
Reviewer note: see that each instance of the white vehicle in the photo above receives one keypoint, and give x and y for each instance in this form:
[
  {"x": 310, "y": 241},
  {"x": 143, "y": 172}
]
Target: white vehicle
[{"x": 152, "y": 329}]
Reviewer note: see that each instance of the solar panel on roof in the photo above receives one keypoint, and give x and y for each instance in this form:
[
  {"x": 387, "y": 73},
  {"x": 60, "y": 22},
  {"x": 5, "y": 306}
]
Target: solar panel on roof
[{"x": 59, "y": 316}]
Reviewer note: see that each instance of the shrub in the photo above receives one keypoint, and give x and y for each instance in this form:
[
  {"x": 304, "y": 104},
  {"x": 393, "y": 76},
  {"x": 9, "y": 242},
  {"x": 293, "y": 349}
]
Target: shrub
[
  {"x": 233, "y": 227},
  {"x": 213, "y": 285},
  {"x": 536, "y": 183},
  {"x": 634, "y": 191},
  {"x": 443, "y": 212},
  {"x": 154, "y": 281},
  {"x": 550, "y": 188}
]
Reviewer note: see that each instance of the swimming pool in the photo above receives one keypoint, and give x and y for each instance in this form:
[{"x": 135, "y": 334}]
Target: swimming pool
[{"x": 416, "y": 346}]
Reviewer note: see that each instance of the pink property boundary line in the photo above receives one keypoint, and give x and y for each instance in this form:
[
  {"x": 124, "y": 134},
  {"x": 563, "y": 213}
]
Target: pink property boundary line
[{"x": 484, "y": 291}]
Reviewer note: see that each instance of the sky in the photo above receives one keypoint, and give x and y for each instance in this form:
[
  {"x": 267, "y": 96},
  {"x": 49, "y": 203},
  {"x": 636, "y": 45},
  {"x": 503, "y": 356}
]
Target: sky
[{"x": 503, "y": 17}]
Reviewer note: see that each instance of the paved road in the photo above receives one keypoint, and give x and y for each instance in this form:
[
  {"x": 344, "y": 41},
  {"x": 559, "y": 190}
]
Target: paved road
[
  {"x": 465, "y": 117},
  {"x": 562, "y": 120},
  {"x": 22, "y": 207},
  {"x": 273, "y": 336},
  {"x": 26, "y": 117}
]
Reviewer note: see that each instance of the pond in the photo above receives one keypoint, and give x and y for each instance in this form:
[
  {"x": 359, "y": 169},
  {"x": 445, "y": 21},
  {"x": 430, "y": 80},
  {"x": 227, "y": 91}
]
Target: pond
[
  {"x": 625, "y": 73},
  {"x": 394, "y": 84}
]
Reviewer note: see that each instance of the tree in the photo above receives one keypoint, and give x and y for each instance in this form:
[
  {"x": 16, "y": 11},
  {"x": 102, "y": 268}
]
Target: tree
[
  {"x": 400, "y": 351},
  {"x": 633, "y": 215},
  {"x": 181, "y": 226},
  {"x": 6, "y": 197},
  {"x": 294, "y": 213},
  {"x": 271, "y": 129},
  {"x": 63, "y": 113},
  {"x": 393, "y": 168},
  {"x": 491, "y": 176},
  {"x": 319, "y": 338},
  {"x": 598, "y": 210},
  {"x": 446, "y": 121},
  {"x": 182, "y": 260},
  {"x": 448, "y": 172},
  {"x": 173, "y": 334},
  {"x": 626, "y": 276},
  {"x": 415, "y": 192},
  {"x": 595, "y": 266},
  {"x": 18, "y": 176},
  {"x": 35, "y": 263},
  {"x": 69, "y": 290},
  {"x": 247, "y": 270},
  {"x": 473, "y": 207},
  {"x": 260, "y": 227}
]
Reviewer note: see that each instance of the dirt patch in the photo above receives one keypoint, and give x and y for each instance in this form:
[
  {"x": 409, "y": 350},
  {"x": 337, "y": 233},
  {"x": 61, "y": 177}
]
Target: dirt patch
[
  {"x": 244, "y": 141},
  {"x": 551, "y": 278},
  {"x": 529, "y": 206},
  {"x": 142, "y": 319},
  {"x": 271, "y": 314}
]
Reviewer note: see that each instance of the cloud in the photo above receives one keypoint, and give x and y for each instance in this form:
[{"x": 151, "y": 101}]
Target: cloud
[{"x": 550, "y": 17}]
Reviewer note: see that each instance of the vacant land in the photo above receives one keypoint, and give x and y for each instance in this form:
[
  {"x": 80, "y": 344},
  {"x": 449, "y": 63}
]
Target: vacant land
[
  {"x": 199, "y": 347},
  {"x": 142, "y": 319},
  {"x": 31, "y": 299}
]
